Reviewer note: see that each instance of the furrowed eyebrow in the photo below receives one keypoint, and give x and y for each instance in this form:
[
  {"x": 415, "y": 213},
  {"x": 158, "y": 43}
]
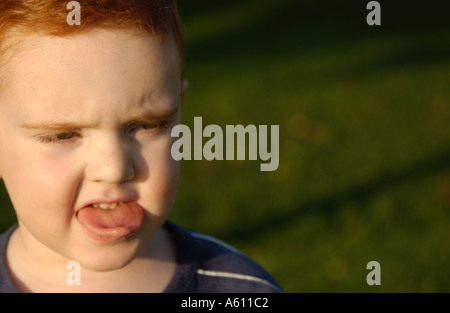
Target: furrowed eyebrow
[
  {"x": 167, "y": 114},
  {"x": 50, "y": 126}
]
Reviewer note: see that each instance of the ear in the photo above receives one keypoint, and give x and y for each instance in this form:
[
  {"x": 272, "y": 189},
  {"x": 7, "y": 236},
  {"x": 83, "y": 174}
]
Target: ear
[{"x": 184, "y": 87}]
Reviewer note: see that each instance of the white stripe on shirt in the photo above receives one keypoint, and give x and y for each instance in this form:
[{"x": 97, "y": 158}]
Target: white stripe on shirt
[{"x": 236, "y": 276}]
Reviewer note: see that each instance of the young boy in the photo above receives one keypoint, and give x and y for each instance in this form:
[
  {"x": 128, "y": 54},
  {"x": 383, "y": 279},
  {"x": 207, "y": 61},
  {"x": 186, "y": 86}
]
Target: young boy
[{"x": 86, "y": 113}]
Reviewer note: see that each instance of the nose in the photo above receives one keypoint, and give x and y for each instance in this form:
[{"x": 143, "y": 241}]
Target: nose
[{"x": 110, "y": 160}]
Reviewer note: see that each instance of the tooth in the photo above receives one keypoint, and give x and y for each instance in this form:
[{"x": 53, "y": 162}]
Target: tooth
[
  {"x": 104, "y": 206},
  {"x": 107, "y": 206}
]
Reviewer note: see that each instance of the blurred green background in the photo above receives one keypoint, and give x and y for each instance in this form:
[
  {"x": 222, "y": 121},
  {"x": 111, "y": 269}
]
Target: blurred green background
[{"x": 364, "y": 115}]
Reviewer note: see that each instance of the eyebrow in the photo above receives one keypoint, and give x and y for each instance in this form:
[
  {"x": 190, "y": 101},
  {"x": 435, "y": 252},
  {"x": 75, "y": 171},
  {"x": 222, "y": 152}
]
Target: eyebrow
[
  {"x": 55, "y": 126},
  {"x": 166, "y": 114}
]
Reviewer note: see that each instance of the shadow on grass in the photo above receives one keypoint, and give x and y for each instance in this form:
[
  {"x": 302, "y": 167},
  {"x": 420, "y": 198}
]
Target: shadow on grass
[
  {"x": 296, "y": 26},
  {"x": 305, "y": 26},
  {"x": 329, "y": 204}
]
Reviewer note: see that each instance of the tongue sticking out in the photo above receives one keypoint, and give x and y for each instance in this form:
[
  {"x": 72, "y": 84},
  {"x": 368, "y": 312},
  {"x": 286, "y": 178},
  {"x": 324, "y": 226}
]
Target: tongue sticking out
[{"x": 112, "y": 225}]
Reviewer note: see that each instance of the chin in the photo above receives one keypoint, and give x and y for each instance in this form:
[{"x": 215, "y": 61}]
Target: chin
[{"x": 110, "y": 257}]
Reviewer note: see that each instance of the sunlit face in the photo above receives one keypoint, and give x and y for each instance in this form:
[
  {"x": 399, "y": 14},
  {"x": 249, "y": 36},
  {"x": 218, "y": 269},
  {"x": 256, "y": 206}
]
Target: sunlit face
[{"x": 84, "y": 124}]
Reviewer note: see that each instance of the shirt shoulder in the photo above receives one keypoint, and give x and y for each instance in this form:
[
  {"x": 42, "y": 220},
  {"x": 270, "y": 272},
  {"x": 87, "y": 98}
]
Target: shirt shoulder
[
  {"x": 207, "y": 264},
  {"x": 6, "y": 286}
]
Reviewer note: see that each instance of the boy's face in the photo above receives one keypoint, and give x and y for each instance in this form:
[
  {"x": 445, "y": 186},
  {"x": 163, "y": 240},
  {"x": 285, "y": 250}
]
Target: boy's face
[{"x": 86, "y": 120}]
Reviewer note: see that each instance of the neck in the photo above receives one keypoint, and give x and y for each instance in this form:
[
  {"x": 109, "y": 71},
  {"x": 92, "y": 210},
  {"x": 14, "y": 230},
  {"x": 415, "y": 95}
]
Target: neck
[{"x": 33, "y": 267}]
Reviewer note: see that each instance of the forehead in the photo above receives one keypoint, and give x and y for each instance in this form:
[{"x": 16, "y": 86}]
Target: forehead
[{"x": 103, "y": 66}]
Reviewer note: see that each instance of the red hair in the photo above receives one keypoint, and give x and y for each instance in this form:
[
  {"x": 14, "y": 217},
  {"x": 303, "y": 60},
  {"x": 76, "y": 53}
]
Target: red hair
[{"x": 155, "y": 17}]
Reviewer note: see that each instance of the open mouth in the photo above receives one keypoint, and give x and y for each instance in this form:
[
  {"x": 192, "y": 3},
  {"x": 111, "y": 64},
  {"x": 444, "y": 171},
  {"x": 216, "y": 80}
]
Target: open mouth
[
  {"x": 107, "y": 206},
  {"x": 111, "y": 222}
]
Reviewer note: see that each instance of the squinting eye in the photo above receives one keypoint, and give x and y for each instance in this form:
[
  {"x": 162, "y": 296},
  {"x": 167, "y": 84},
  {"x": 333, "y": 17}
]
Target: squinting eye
[
  {"x": 148, "y": 126},
  {"x": 59, "y": 137}
]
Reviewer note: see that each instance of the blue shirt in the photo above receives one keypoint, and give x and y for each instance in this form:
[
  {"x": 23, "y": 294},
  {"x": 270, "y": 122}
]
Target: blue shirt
[{"x": 204, "y": 264}]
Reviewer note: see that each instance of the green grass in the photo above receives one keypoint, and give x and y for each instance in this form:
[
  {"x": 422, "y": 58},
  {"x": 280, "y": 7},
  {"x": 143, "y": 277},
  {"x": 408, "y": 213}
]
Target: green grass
[{"x": 364, "y": 115}]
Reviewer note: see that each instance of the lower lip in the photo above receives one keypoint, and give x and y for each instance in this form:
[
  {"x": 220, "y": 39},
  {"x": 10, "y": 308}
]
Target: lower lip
[{"x": 111, "y": 226}]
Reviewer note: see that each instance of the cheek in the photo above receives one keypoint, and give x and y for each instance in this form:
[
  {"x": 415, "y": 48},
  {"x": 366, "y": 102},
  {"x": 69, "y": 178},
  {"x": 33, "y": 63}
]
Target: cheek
[
  {"x": 51, "y": 175},
  {"x": 41, "y": 189},
  {"x": 162, "y": 182}
]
